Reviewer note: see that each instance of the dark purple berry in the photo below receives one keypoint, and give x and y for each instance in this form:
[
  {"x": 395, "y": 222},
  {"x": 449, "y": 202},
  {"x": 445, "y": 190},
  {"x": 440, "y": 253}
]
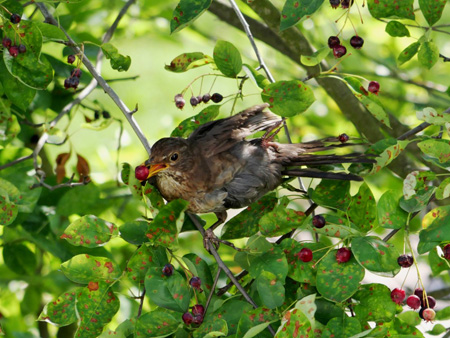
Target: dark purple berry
[
  {"x": 71, "y": 58},
  {"x": 22, "y": 48},
  {"x": 71, "y": 82},
  {"x": 398, "y": 295},
  {"x": 13, "y": 51},
  {"x": 343, "y": 255},
  {"x": 198, "y": 319},
  {"x": 446, "y": 251},
  {"x": 106, "y": 114},
  {"x": 346, "y": 3},
  {"x": 343, "y": 138},
  {"x": 413, "y": 302},
  {"x": 15, "y": 18},
  {"x": 6, "y": 42},
  {"x": 179, "y": 101},
  {"x": 374, "y": 87},
  {"x": 318, "y": 221},
  {"x": 335, "y": 3},
  {"x": 206, "y": 97},
  {"x": 405, "y": 261},
  {"x": 198, "y": 309},
  {"x": 96, "y": 115},
  {"x": 333, "y": 41},
  {"x": 76, "y": 72},
  {"x": 305, "y": 255},
  {"x": 419, "y": 293},
  {"x": 200, "y": 99},
  {"x": 195, "y": 282},
  {"x": 167, "y": 270},
  {"x": 216, "y": 98},
  {"x": 356, "y": 42},
  {"x": 187, "y": 317},
  {"x": 193, "y": 101},
  {"x": 431, "y": 302},
  {"x": 339, "y": 51},
  {"x": 141, "y": 172}
]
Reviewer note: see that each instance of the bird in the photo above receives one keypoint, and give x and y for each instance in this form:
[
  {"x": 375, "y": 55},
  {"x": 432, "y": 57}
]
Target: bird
[{"x": 218, "y": 167}]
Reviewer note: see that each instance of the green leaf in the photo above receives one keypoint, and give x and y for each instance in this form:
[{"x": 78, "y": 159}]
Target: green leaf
[
  {"x": 232, "y": 311},
  {"x": 375, "y": 303},
  {"x": 19, "y": 258},
  {"x": 252, "y": 318},
  {"x": 392, "y": 149},
  {"x": 260, "y": 80},
  {"x": 443, "y": 190},
  {"x": 428, "y": 54},
  {"x": 374, "y": 108},
  {"x": 280, "y": 221},
  {"x": 61, "y": 311},
  {"x": 134, "y": 232},
  {"x": 212, "y": 328},
  {"x": 227, "y": 58},
  {"x": 316, "y": 57},
  {"x": 186, "y": 61},
  {"x": 344, "y": 326},
  {"x": 337, "y": 226},
  {"x": 50, "y": 32},
  {"x": 187, "y": 126},
  {"x": 153, "y": 198},
  {"x": 338, "y": 281},
  {"x": 9, "y": 127},
  {"x": 157, "y": 324},
  {"x": 418, "y": 201},
  {"x": 288, "y": 98},
  {"x": 410, "y": 318},
  {"x": 376, "y": 255},
  {"x": 118, "y": 61},
  {"x": 437, "y": 232},
  {"x": 257, "y": 246},
  {"x": 144, "y": 258},
  {"x": 390, "y": 215},
  {"x": 431, "y": 116},
  {"x": 437, "y": 330},
  {"x": 436, "y": 148},
  {"x": 390, "y": 9},
  {"x": 362, "y": 210},
  {"x": 395, "y": 28},
  {"x": 332, "y": 193},
  {"x": 270, "y": 289},
  {"x": 186, "y": 12},
  {"x": 432, "y": 10},
  {"x": 199, "y": 268},
  {"x": 9, "y": 196},
  {"x": 85, "y": 268},
  {"x": 437, "y": 263},
  {"x": 415, "y": 181},
  {"x": 170, "y": 292},
  {"x": 294, "y": 323},
  {"x": 408, "y": 53},
  {"x": 294, "y": 10},
  {"x": 443, "y": 314},
  {"x": 90, "y": 231}
]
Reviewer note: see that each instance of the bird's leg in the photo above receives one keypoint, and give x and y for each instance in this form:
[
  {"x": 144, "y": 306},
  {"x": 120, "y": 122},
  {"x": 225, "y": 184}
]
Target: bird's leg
[
  {"x": 210, "y": 238},
  {"x": 268, "y": 135}
]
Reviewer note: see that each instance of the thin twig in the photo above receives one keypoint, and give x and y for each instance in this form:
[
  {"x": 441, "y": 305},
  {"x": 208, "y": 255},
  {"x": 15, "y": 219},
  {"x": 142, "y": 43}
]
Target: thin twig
[
  {"x": 141, "y": 303},
  {"x": 18, "y": 160},
  {"x": 225, "y": 288},
  {"x": 211, "y": 293}
]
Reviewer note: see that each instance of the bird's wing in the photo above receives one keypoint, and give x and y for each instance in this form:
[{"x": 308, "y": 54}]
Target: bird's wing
[{"x": 217, "y": 136}]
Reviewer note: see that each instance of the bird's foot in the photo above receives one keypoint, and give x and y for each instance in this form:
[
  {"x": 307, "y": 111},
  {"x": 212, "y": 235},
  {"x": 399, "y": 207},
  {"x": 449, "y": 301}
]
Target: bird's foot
[{"x": 210, "y": 239}]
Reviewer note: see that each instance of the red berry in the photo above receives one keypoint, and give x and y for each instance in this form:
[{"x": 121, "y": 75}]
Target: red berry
[
  {"x": 318, "y": 221},
  {"x": 339, "y": 51},
  {"x": 198, "y": 319},
  {"x": 335, "y": 3},
  {"x": 398, "y": 295},
  {"x": 305, "y": 255},
  {"x": 198, "y": 309},
  {"x": 13, "y": 51},
  {"x": 206, "y": 97},
  {"x": 179, "y": 101},
  {"x": 188, "y": 318},
  {"x": 405, "y": 261},
  {"x": 428, "y": 315},
  {"x": 343, "y": 255},
  {"x": 22, "y": 48},
  {"x": 141, "y": 172},
  {"x": 15, "y": 18},
  {"x": 167, "y": 270},
  {"x": 71, "y": 58},
  {"x": 446, "y": 251},
  {"x": 193, "y": 101},
  {"x": 6, "y": 42},
  {"x": 356, "y": 42},
  {"x": 195, "y": 282},
  {"x": 374, "y": 87},
  {"x": 413, "y": 302},
  {"x": 333, "y": 41},
  {"x": 216, "y": 98},
  {"x": 343, "y": 138}
]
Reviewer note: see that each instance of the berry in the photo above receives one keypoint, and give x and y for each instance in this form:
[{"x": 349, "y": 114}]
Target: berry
[
  {"x": 405, "y": 261},
  {"x": 193, "y": 101},
  {"x": 195, "y": 282},
  {"x": 22, "y": 48},
  {"x": 333, "y": 41},
  {"x": 167, "y": 270},
  {"x": 206, "y": 97},
  {"x": 413, "y": 302},
  {"x": 374, "y": 87},
  {"x": 356, "y": 42},
  {"x": 305, "y": 255},
  {"x": 339, "y": 51},
  {"x": 335, "y": 3},
  {"x": 346, "y": 3},
  {"x": 15, "y": 18},
  {"x": 343, "y": 255},
  {"x": 198, "y": 309},
  {"x": 96, "y": 115},
  {"x": 106, "y": 114},
  {"x": 76, "y": 72},
  {"x": 71, "y": 82},
  {"x": 398, "y": 295},
  {"x": 446, "y": 251},
  {"x": 428, "y": 315},
  {"x": 71, "y": 58},
  {"x": 200, "y": 99},
  {"x": 6, "y": 42},
  {"x": 343, "y": 138},
  {"x": 318, "y": 221},
  {"x": 198, "y": 319},
  {"x": 179, "y": 101},
  {"x": 431, "y": 303},
  {"x": 188, "y": 318},
  {"x": 13, "y": 51},
  {"x": 216, "y": 98},
  {"x": 141, "y": 172}
]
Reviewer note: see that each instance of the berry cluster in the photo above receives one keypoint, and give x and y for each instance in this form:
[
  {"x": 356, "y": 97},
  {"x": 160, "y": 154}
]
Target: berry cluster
[
  {"x": 416, "y": 301},
  {"x": 14, "y": 50},
  {"x": 339, "y": 50},
  {"x": 73, "y": 80},
  {"x": 195, "y": 100}
]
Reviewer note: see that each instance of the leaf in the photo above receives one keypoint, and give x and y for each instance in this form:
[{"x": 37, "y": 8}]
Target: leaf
[
  {"x": 60, "y": 170},
  {"x": 186, "y": 61},
  {"x": 199, "y": 268},
  {"x": 443, "y": 190},
  {"x": 432, "y": 10},
  {"x": 437, "y": 232},
  {"x": 118, "y": 61},
  {"x": 9, "y": 127},
  {"x": 416, "y": 181},
  {"x": 418, "y": 201},
  {"x": 19, "y": 258},
  {"x": 443, "y": 314},
  {"x": 9, "y": 196},
  {"x": 374, "y": 108},
  {"x": 338, "y": 281},
  {"x": 270, "y": 289},
  {"x": 144, "y": 258},
  {"x": 316, "y": 57},
  {"x": 344, "y": 326},
  {"x": 187, "y": 126},
  {"x": 134, "y": 232},
  {"x": 408, "y": 53},
  {"x": 375, "y": 303},
  {"x": 437, "y": 263},
  {"x": 437, "y": 330},
  {"x": 389, "y": 9},
  {"x": 154, "y": 199},
  {"x": 50, "y": 32},
  {"x": 212, "y": 328},
  {"x": 428, "y": 54},
  {"x": 376, "y": 255},
  {"x": 232, "y": 311},
  {"x": 90, "y": 231},
  {"x": 260, "y": 80},
  {"x": 337, "y": 226},
  {"x": 227, "y": 58},
  {"x": 294, "y": 10},
  {"x": 294, "y": 323},
  {"x": 256, "y": 247},
  {"x": 390, "y": 215},
  {"x": 392, "y": 149},
  {"x": 332, "y": 193},
  {"x": 395, "y": 28},
  {"x": 186, "y": 12},
  {"x": 288, "y": 98},
  {"x": 167, "y": 292},
  {"x": 431, "y": 116},
  {"x": 362, "y": 210},
  {"x": 61, "y": 311},
  {"x": 157, "y": 324},
  {"x": 436, "y": 148},
  {"x": 82, "y": 168},
  {"x": 273, "y": 261},
  {"x": 85, "y": 268},
  {"x": 280, "y": 221},
  {"x": 250, "y": 319}
]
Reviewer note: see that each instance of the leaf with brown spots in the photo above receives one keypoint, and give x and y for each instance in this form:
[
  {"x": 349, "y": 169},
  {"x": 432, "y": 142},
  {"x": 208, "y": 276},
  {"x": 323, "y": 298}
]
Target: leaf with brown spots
[
  {"x": 212, "y": 328},
  {"x": 342, "y": 327},
  {"x": 332, "y": 193},
  {"x": 387, "y": 150},
  {"x": 186, "y": 61},
  {"x": 61, "y": 311},
  {"x": 187, "y": 126},
  {"x": 200, "y": 268},
  {"x": 186, "y": 12},
  {"x": 337, "y": 226},
  {"x": 436, "y": 148},
  {"x": 270, "y": 289},
  {"x": 232, "y": 311},
  {"x": 280, "y": 221},
  {"x": 391, "y": 9},
  {"x": 84, "y": 268},
  {"x": 60, "y": 169},
  {"x": 227, "y": 58},
  {"x": 375, "y": 303},
  {"x": 294, "y": 324},
  {"x": 390, "y": 215},
  {"x": 437, "y": 232},
  {"x": 362, "y": 210},
  {"x": 156, "y": 324},
  {"x": 144, "y": 258},
  {"x": 437, "y": 263},
  {"x": 255, "y": 317},
  {"x": 294, "y": 10}
]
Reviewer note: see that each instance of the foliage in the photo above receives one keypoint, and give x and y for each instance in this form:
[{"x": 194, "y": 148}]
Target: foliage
[{"x": 88, "y": 257}]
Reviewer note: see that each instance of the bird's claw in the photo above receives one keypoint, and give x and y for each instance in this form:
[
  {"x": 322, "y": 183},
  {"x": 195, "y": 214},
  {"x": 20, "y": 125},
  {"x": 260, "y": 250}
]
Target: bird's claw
[{"x": 211, "y": 239}]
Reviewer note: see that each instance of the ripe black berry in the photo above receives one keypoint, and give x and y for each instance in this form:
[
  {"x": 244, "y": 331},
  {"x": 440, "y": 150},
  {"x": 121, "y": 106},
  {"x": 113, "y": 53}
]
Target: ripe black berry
[
  {"x": 346, "y": 3},
  {"x": 339, "y": 51},
  {"x": 446, "y": 251},
  {"x": 343, "y": 138},
  {"x": 200, "y": 99},
  {"x": 15, "y": 18},
  {"x": 216, "y": 98},
  {"x": 405, "y": 261},
  {"x": 419, "y": 293},
  {"x": 335, "y": 3},
  {"x": 179, "y": 101},
  {"x": 198, "y": 319},
  {"x": 106, "y": 114},
  {"x": 318, "y": 221},
  {"x": 167, "y": 270},
  {"x": 193, "y": 101},
  {"x": 431, "y": 302},
  {"x": 374, "y": 87},
  {"x": 198, "y": 309},
  {"x": 343, "y": 255},
  {"x": 6, "y": 42},
  {"x": 71, "y": 58},
  {"x": 195, "y": 282},
  {"x": 13, "y": 51},
  {"x": 76, "y": 72},
  {"x": 22, "y": 48},
  {"x": 206, "y": 97},
  {"x": 187, "y": 318},
  {"x": 356, "y": 42},
  {"x": 333, "y": 41},
  {"x": 71, "y": 82}
]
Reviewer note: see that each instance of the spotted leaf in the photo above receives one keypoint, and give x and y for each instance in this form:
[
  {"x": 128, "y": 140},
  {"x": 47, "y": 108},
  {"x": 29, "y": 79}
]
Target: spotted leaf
[
  {"x": 61, "y": 311},
  {"x": 337, "y": 226},
  {"x": 431, "y": 116},
  {"x": 362, "y": 210},
  {"x": 199, "y": 267},
  {"x": 294, "y": 324},
  {"x": 374, "y": 107},
  {"x": 294, "y": 10},
  {"x": 443, "y": 191},
  {"x": 375, "y": 303},
  {"x": 432, "y": 10},
  {"x": 134, "y": 232},
  {"x": 227, "y": 58},
  {"x": 332, "y": 193},
  {"x": 156, "y": 324},
  {"x": 391, "y": 149},
  {"x": 280, "y": 221},
  {"x": 186, "y": 12},
  {"x": 270, "y": 289},
  {"x": 342, "y": 327},
  {"x": 255, "y": 317},
  {"x": 144, "y": 258},
  {"x": 390, "y": 9},
  {"x": 436, "y": 148},
  {"x": 85, "y": 268},
  {"x": 428, "y": 54},
  {"x": 436, "y": 229},
  {"x": 232, "y": 311},
  {"x": 186, "y": 127},
  {"x": 390, "y": 215},
  {"x": 212, "y": 328},
  {"x": 408, "y": 53},
  {"x": 186, "y": 61}
]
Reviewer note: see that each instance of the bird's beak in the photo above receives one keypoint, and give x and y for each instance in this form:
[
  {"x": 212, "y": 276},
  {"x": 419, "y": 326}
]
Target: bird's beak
[{"x": 156, "y": 168}]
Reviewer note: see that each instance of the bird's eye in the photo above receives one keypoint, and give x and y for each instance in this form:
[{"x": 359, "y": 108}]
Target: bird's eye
[{"x": 174, "y": 157}]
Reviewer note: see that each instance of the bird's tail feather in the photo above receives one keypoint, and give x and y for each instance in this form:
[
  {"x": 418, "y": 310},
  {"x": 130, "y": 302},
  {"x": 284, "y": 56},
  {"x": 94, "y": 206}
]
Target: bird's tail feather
[{"x": 313, "y": 173}]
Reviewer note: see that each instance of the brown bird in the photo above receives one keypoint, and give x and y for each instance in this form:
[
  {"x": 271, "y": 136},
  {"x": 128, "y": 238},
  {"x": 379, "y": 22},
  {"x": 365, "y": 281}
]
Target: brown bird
[{"x": 217, "y": 168}]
